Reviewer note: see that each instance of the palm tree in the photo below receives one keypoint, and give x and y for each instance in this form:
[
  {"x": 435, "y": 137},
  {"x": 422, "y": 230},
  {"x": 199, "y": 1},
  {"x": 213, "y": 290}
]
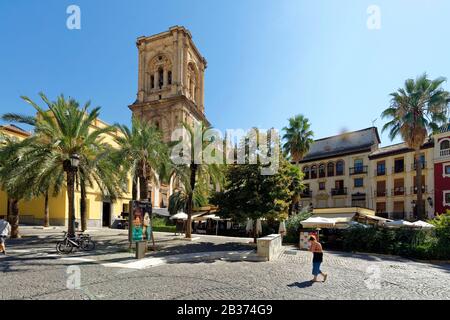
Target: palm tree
[
  {"x": 62, "y": 131},
  {"x": 143, "y": 153},
  {"x": 298, "y": 138},
  {"x": 195, "y": 176},
  {"x": 10, "y": 153},
  {"x": 416, "y": 111}
]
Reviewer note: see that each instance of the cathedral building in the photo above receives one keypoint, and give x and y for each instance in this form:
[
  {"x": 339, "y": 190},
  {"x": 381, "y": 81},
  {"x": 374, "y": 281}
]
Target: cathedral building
[{"x": 170, "y": 88}]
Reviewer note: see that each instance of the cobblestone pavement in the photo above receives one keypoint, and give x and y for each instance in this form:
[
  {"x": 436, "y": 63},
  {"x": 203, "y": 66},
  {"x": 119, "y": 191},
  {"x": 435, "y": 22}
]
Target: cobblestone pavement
[{"x": 36, "y": 273}]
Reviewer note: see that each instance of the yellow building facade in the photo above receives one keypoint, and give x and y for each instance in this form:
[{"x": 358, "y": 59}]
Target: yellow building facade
[{"x": 100, "y": 211}]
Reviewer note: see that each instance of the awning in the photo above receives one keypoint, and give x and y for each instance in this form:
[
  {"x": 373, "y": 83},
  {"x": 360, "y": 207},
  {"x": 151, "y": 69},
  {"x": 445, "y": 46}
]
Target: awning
[
  {"x": 318, "y": 222},
  {"x": 161, "y": 212},
  {"x": 399, "y": 224},
  {"x": 423, "y": 224}
]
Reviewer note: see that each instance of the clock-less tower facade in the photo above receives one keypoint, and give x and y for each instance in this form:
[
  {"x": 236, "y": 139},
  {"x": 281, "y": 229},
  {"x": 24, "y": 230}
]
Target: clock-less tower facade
[{"x": 170, "y": 87}]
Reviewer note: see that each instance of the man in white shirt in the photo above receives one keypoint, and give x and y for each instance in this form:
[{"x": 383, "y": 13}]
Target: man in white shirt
[{"x": 5, "y": 230}]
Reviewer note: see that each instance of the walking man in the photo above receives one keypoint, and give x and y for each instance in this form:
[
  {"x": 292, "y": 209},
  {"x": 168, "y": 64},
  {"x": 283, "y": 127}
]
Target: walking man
[
  {"x": 5, "y": 230},
  {"x": 316, "y": 249}
]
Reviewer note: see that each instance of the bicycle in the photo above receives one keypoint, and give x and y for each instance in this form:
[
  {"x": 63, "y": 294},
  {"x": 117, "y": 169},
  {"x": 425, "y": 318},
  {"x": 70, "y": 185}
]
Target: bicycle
[{"x": 80, "y": 241}]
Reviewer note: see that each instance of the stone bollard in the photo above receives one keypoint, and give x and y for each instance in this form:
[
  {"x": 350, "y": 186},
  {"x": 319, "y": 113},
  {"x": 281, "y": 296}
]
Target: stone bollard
[{"x": 269, "y": 246}]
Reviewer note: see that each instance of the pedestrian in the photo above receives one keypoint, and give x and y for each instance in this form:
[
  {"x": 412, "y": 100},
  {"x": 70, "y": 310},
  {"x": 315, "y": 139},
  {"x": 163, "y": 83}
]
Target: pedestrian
[
  {"x": 5, "y": 230},
  {"x": 316, "y": 249}
]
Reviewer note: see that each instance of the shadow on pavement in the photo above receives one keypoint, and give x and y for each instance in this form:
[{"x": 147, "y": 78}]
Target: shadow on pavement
[{"x": 304, "y": 284}]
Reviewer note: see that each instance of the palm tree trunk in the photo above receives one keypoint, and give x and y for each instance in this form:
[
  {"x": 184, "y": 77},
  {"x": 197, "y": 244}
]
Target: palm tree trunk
[
  {"x": 134, "y": 190},
  {"x": 419, "y": 205},
  {"x": 46, "y": 210},
  {"x": 143, "y": 188},
  {"x": 190, "y": 204},
  {"x": 14, "y": 217},
  {"x": 71, "y": 196},
  {"x": 83, "y": 215}
]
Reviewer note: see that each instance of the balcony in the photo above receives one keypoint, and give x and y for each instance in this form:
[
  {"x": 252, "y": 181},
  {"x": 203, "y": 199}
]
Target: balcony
[
  {"x": 380, "y": 193},
  {"x": 338, "y": 191},
  {"x": 444, "y": 153},
  {"x": 398, "y": 191},
  {"x": 397, "y": 215},
  {"x": 414, "y": 189},
  {"x": 306, "y": 194},
  {"x": 423, "y": 165},
  {"x": 358, "y": 170}
]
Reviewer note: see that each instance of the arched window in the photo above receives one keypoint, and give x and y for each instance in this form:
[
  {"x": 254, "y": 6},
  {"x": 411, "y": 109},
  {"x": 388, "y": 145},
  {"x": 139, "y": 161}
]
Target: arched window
[
  {"x": 322, "y": 171},
  {"x": 445, "y": 144},
  {"x": 152, "y": 82},
  {"x": 330, "y": 169},
  {"x": 306, "y": 172},
  {"x": 169, "y": 77},
  {"x": 313, "y": 172},
  {"x": 160, "y": 78},
  {"x": 340, "y": 168}
]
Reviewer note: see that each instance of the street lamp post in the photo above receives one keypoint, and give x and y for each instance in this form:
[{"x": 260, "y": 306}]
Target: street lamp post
[{"x": 71, "y": 167}]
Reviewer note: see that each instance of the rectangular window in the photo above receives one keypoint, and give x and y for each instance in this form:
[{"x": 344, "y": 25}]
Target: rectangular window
[
  {"x": 381, "y": 168},
  {"x": 399, "y": 165},
  {"x": 321, "y": 185},
  {"x": 446, "y": 198},
  {"x": 446, "y": 170},
  {"x": 359, "y": 182}
]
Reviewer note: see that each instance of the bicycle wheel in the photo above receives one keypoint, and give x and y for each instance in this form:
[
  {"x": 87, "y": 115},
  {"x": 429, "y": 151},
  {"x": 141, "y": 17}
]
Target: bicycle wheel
[
  {"x": 64, "y": 247},
  {"x": 87, "y": 245}
]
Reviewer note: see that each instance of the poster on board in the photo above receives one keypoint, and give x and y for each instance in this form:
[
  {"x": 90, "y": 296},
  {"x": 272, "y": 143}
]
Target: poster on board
[{"x": 140, "y": 222}]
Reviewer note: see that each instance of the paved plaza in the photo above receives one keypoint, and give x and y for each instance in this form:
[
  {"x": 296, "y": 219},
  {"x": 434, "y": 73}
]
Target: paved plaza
[{"x": 208, "y": 268}]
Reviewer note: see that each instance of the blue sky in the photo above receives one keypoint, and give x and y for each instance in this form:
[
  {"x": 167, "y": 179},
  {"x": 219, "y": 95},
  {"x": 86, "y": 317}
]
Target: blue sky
[{"x": 267, "y": 60}]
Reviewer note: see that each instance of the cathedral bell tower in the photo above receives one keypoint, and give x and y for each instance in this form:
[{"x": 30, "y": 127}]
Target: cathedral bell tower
[{"x": 170, "y": 81}]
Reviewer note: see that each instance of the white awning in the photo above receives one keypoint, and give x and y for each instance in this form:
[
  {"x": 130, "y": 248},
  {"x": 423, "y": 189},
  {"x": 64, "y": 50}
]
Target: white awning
[
  {"x": 422, "y": 224},
  {"x": 398, "y": 224}
]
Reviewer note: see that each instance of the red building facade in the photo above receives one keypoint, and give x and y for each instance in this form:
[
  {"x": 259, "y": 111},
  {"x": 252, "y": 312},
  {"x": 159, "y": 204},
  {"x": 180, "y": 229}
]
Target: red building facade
[{"x": 442, "y": 170}]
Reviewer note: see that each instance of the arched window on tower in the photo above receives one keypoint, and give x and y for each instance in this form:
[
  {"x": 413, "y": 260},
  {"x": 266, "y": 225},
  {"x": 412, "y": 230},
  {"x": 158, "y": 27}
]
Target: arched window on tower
[
  {"x": 152, "y": 82},
  {"x": 169, "y": 77},
  {"x": 160, "y": 78}
]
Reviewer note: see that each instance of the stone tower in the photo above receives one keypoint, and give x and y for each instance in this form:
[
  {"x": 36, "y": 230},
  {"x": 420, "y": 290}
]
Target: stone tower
[
  {"x": 171, "y": 80},
  {"x": 170, "y": 89}
]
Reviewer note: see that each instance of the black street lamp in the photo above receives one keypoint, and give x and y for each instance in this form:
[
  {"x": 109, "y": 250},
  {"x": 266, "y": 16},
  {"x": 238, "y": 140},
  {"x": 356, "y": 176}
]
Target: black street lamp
[{"x": 71, "y": 167}]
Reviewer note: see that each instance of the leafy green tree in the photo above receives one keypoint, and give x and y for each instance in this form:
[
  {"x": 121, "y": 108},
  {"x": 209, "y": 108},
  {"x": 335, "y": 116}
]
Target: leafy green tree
[
  {"x": 248, "y": 194},
  {"x": 416, "y": 111}
]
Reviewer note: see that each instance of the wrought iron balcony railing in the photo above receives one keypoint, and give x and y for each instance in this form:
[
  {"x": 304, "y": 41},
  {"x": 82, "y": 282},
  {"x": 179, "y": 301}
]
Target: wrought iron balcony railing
[
  {"x": 358, "y": 170},
  {"x": 398, "y": 191},
  {"x": 338, "y": 191}
]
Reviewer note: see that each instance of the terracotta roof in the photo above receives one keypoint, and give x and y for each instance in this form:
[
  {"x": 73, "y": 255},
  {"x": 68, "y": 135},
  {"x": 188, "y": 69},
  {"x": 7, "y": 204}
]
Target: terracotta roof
[
  {"x": 346, "y": 143},
  {"x": 397, "y": 149},
  {"x": 14, "y": 128}
]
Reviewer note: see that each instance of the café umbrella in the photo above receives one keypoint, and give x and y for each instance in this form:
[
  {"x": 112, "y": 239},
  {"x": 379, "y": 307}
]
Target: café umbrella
[
  {"x": 422, "y": 224},
  {"x": 179, "y": 216}
]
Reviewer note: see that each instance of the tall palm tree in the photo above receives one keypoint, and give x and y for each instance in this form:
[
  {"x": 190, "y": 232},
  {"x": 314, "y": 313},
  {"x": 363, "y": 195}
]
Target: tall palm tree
[
  {"x": 298, "y": 138},
  {"x": 416, "y": 111},
  {"x": 195, "y": 175},
  {"x": 65, "y": 129},
  {"x": 143, "y": 153},
  {"x": 10, "y": 155}
]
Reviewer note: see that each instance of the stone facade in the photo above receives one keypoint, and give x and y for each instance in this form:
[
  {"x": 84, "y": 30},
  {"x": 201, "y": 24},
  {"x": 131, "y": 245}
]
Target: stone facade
[
  {"x": 170, "y": 88},
  {"x": 170, "y": 80}
]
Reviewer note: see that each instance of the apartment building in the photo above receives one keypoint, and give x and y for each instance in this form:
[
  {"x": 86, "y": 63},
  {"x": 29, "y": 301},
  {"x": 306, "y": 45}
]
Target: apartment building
[{"x": 350, "y": 169}]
